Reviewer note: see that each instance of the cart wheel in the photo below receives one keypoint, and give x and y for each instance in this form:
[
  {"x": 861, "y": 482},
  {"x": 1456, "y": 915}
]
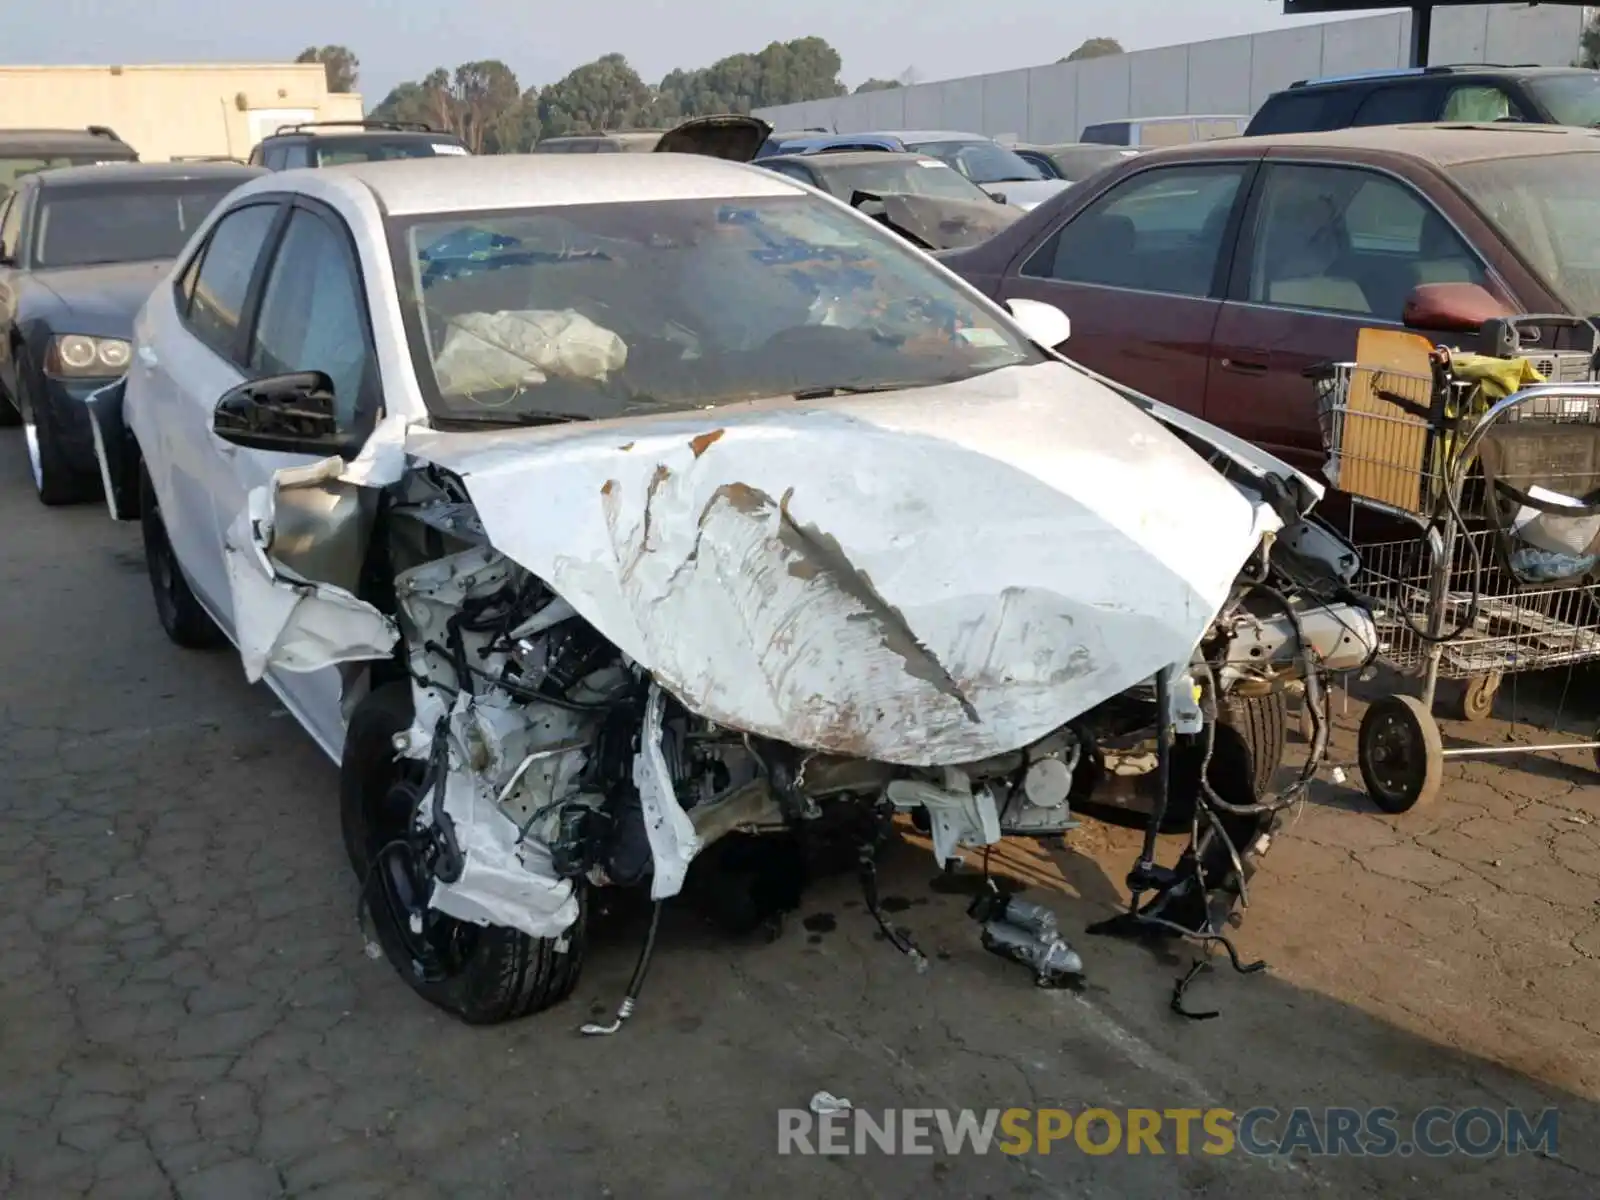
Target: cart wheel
[
  {"x": 1477, "y": 698},
  {"x": 1401, "y": 754}
]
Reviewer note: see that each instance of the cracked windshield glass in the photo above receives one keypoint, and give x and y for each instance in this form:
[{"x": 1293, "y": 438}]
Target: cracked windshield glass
[{"x": 596, "y": 311}]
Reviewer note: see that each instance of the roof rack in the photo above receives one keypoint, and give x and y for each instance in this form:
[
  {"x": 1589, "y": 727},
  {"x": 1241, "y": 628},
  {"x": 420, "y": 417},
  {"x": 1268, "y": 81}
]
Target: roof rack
[
  {"x": 389, "y": 126},
  {"x": 1409, "y": 72},
  {"x": 104, "y": 131}
]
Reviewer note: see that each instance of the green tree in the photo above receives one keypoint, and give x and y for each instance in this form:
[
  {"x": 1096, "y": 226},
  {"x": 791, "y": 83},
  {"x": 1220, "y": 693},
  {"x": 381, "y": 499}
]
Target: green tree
[
  {"x": 1095, "y": 47},
  {"x": 340, "y": 62},
  {"x": 1590, "y": 43},
  {"x": 430, "y": 102},
  {"x": 784, "y": 73},
  {"x": 486, "y": 100},
  {"x": 878, "y": 85},
  {"x": 604, "y": 94}
]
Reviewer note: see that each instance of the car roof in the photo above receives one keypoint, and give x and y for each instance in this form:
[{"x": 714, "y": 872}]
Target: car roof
[
  {"x": 1443, "y": 70},
  {"x": 483, "y": 183},
  {"x": 1443, "y": 144},
  {"x": 61, "y": 140},
  {"x": 152, "y": 172},
  {"x": 853, "y": 158}
]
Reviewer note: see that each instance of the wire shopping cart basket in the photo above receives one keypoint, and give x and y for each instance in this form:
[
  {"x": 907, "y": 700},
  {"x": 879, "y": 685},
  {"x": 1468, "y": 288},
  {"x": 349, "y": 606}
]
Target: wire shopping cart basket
[{"x": 1496, "y": 583}]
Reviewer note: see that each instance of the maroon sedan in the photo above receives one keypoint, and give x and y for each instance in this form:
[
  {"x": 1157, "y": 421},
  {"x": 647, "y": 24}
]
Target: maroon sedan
[{"x": 1211, "y": 276}]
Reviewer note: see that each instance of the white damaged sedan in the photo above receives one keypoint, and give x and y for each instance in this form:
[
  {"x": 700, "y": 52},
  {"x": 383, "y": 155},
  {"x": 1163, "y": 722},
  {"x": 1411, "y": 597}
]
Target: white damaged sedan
[{"x": 598, "y": 514}]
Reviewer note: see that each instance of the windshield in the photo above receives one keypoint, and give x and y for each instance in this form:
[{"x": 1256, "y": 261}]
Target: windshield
[
  {"x": 607, "y": 310},
  {"x": 1571, "y": 99},
  {"x": 81, "y": 226},
  {"x": 982, "y": 161},
  {"x": 333, "y": 151},
  {"x": 916, "y": 176},
  {"x": 1549, "y": 210}
]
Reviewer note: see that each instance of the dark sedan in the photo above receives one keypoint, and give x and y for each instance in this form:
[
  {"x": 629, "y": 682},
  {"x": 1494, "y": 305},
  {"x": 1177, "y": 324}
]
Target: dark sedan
[{"x": 81, "y": 248}]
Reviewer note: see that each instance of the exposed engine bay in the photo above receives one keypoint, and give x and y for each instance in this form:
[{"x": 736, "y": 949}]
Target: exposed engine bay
[{"x": 545, "y": 757}]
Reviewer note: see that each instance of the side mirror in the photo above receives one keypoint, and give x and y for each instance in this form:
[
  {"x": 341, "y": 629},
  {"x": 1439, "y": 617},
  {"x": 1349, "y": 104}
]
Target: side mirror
[
  {"x": 289, "y": 414},
  {"x": 1450, "y": 308},
  {"x": 998, "y": 197},
  {"x": 1043, "y": 323}
]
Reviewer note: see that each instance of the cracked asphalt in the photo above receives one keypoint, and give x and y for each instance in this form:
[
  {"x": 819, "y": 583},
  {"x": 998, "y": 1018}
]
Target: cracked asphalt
[{"x": 186, "y": 1008}]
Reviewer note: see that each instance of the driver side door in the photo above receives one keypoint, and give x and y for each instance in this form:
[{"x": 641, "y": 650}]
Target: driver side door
[{"x": 310, "y": 314}]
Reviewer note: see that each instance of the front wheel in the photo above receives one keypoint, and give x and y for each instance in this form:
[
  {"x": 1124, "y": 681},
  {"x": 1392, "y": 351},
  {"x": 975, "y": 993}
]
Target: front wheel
[
  {"x": 182, "y": 618},
  {"x": 55, "y": 480},
  {"x": 482, "y": 974}
]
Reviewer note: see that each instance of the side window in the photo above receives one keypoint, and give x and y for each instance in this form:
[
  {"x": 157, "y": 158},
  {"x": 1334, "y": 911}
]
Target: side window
[
  {"x": 274, "y": 157},
  {"x": 185, "y": 284},
  {"x": 1160, "y": 231},
  {"x": 1480, "y": 102},
  {"x": 11, "y": 226},
  {"x": 1308, "y": 111},
  {"x": 313, "y": 312},
  {"x": 1402, "y": 104},
  {"x": 1351, "y": 241},
  {"x": 225, "y": 270},
  {"x": 297, "y": 155}
]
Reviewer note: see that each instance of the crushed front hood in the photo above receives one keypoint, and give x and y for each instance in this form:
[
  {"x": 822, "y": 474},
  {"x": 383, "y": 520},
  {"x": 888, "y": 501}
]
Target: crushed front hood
[
  {"x": 927, "y": 577},
  {"x": 946, "y": 224}
]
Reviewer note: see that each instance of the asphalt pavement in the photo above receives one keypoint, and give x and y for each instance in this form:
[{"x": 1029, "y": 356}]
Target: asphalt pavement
[{"x": 186, "y": 1007}]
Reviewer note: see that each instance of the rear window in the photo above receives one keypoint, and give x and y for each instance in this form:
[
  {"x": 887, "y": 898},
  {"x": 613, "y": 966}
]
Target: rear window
[
  {"x": 1109, "y": 133},
  {"x": 14, "y": 167},
  {"x": 334, "y": 151},
  {"x": 1305, "y": 111}
]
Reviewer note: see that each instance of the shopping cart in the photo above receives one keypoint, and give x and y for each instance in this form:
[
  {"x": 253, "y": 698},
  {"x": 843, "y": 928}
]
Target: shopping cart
[{"x": 1450, "y": 603}]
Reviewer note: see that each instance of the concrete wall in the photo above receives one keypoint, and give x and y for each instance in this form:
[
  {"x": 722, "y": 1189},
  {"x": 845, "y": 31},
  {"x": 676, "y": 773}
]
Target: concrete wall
[
  {"x": 163, "y": 111},
  {"x": 1229, "y": 75}
]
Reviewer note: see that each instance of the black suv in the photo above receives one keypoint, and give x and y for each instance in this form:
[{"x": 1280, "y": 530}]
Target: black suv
[
  {"x": 23, "y": 151},
  {"x": 1469, "y": 93},
  {"x": 329, "y": 143}
]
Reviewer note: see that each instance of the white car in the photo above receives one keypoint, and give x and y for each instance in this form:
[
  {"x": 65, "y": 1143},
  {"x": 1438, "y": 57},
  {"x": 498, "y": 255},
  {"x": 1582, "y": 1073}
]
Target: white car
[{"x": 598, "y": 513}]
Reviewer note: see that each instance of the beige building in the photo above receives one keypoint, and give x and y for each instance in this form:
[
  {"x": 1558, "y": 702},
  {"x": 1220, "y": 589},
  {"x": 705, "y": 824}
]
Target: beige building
[{"x": 167, "y": 111}]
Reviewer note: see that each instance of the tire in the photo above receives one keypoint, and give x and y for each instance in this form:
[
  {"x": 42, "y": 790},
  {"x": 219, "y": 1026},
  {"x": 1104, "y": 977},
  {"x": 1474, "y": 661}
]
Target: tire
[
  {"x": 1247, "y": 752},
  {"x": 484, "y": 975},
  {"x": 55, "y": 481},
  {"x": 182, "y": 618}
]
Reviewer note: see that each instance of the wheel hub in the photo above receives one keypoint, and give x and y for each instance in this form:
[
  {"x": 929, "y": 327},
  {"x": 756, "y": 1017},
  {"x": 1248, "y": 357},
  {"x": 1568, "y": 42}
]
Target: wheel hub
[{"x": 402, "y": 874}]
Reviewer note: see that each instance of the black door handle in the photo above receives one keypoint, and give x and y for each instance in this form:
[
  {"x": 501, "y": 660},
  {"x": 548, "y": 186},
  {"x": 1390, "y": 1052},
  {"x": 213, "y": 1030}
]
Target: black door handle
[{"x": 1243, "y": 367}]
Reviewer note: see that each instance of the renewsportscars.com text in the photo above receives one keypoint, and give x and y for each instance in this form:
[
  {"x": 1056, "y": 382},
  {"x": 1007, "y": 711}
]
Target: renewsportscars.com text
[{"x": 1375, "y": 1132}]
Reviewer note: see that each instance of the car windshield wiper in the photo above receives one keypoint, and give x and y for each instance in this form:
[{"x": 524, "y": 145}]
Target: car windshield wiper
[
  {"x": 867, "y": 389},
  {"x": 519, "y": 418}
]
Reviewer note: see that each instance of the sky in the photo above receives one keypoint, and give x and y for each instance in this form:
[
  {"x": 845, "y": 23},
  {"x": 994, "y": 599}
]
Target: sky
[{"x": 398, "y": 40}]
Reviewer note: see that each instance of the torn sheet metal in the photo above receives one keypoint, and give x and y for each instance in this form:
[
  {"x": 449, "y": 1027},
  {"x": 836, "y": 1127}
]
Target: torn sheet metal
[
  {"x": 285, "y": 622},
  {"x": 672, "y": 837},
  {"x": 506, "y": 880},
  {"x": 287, "y": 554},
  {"x": 930, "y": 577}
]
